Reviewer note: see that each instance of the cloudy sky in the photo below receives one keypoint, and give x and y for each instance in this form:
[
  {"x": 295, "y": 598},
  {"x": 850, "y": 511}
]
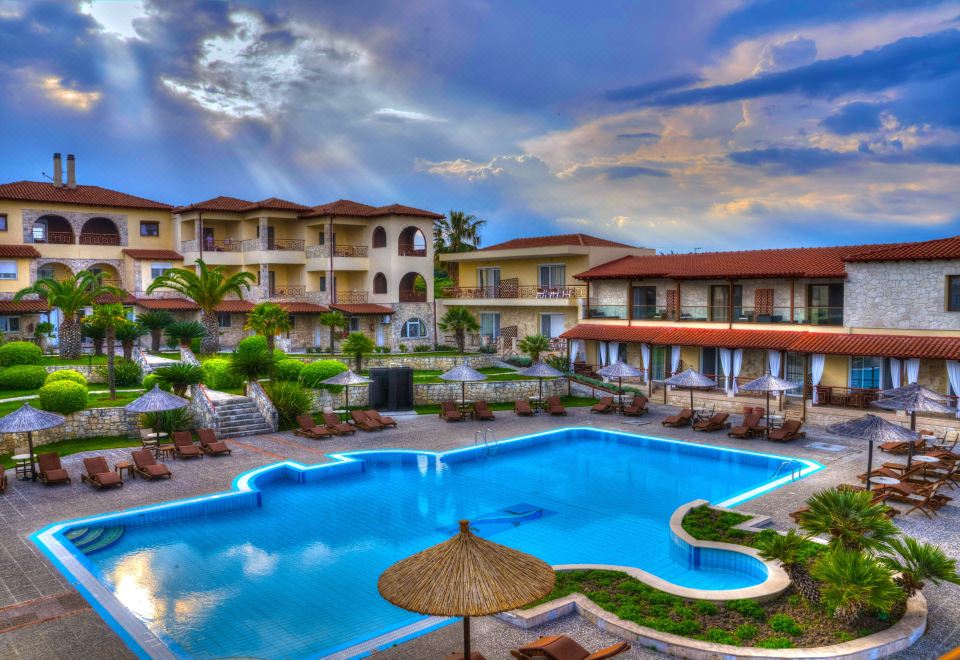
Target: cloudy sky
[{"x": 679, "y": 125}]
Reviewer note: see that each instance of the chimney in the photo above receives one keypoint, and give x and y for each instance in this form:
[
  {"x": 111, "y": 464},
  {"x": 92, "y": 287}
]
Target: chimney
[
  {"x": 57, "y": 171},
  {"x": 71, "y": 171}
]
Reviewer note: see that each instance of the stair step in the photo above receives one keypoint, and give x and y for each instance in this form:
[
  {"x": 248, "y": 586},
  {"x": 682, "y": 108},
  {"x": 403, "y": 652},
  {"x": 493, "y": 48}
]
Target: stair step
[{"x": 109, "y": 536}]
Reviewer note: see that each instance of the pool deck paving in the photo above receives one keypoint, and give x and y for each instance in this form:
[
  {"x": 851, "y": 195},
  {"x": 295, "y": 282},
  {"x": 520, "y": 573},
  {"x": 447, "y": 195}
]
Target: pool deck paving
[{"x": 42, "y": 615}]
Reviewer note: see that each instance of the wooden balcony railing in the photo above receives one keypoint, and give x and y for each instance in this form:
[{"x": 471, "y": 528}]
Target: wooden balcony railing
[
  {"x": 413, "y": 296},
  {"x": 505, "y": 290},
  {"x": 405, "y": 250},
  {"x": 351, "y": 297},
  {"x": 283, "y": 244},
  {"x": 99, "y": 239},
  {"x": 55, "y": 238}
]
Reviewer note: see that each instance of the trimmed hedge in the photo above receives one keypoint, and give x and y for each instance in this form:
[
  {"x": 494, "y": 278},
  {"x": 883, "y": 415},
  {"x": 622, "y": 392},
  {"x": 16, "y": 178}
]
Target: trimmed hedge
[
  {"x": 217, "y": 376},
  {"x": 288, "y": 370},
  {"x": 152, "y": 379},
  {"x": 313, "y": 374},
  {"x": 64, "y": 397},
  {"x": 20, "y": 352},
  {"x": 66, "y": 374},
  {"x": 125, "y": 372},
  {"x": 22, "y": 377}
]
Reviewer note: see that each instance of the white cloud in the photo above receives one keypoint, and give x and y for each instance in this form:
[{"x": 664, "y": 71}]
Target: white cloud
[
  {"x": 53, "y": 88},
  {"x": 115, "y": 16},
  {"x": 402, "y": 116}
]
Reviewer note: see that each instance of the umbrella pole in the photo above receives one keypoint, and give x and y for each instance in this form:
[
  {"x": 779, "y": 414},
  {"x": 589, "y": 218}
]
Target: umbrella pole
[
  {"x": 768, "y": 411},
  {"x": 869, "y": 463},
  {"x": 463, "y": 393},
  {"x": 913, "y": 427},
  {"x": 33, "y": 472},
  {"x": 540, "y": 400},
  {"x": 466, "y": 638},
  {"x": 691, "y": 398}
]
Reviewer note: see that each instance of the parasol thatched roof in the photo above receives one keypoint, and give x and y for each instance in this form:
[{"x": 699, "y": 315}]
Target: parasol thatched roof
[
  {"x": 769, "y": 383},
  {"x": 27, "y": 418},
  {"x": 466, "y": 576},
  {"x": 871, "y": 427},
  {"x": 912, "y": 389},
  {"x": 156, "y": 400},
  {"x": 464, "y": 373},
  {"x": 619, "y": 369},
  {"x": 691, "y": 379},
  {"x": 914, "y": 398},
  {"x": 540, "y": 370},
  {"x": 347, "y": 378}
]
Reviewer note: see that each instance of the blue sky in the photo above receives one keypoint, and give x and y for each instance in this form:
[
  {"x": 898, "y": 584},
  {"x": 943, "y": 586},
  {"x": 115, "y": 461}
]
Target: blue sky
[{"x": 678, "y": 125}]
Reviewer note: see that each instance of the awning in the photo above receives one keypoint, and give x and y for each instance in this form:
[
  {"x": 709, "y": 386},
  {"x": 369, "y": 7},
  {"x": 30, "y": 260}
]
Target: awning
[
  {"x": 360, "y": 309},
  {"x": 168, "y": 304},
  {"x": 895, "y": 346},
  {"x": 303, "y": 308},
  {"x": 234, "y": 306},
  {"x": 23, "y": 306}
]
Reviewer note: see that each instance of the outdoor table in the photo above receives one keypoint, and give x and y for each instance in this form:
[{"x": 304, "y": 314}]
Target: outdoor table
[
  {"x": 120, "y": 466},
  {"x": 884, "y": 481},
  {"x": 465, "y": 406},
  {"x": 342, "y": 413},
  {"x": 536, "y": 402},
  {"x": 776, "y": 421},
  {"x": 165, "y": 450},
  {"x": 23, "y": 466},
  {"x": 156, "y": 435},
  {"x": 925, "y": 459}
]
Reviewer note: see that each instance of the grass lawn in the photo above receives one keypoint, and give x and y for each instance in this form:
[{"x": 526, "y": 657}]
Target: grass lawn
[
  {"x": 707, "y": 524},
  {"x": 72, "y": 446},
  {"x": 341, "y": 356},
  {"x": 567, "y": 401},
  {"x": 98, "y": 399},
  {"x": 53, "y": 360}
]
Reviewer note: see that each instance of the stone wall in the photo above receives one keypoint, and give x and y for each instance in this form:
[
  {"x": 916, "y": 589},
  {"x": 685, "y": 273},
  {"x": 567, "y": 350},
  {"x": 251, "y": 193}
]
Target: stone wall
[
  {"x": 87, "y": 423},
  {"x": 900, "y": 294},
  {"x": 510, "y": 390},
  {"x": 205, "y": 417},
  {"x": 89, "y": 372},
  {"x": 608, "y": 292},
  {"x": 264, "y": 404},
  {"x": 441, "y": 362}
]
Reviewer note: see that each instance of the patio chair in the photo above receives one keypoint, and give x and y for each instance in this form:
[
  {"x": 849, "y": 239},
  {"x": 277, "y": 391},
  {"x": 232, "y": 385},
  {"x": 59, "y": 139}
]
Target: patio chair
[
  {"x": 3, "y": 479},
  {"x": 51, "y": 471},
  {"x": 748, "y": 428},
  {"x": 604, "y": 405},
  {"x": 449, "y": 412},
  {"x": 903, "y": 447},
  {"x": 310, "y": 429},
  {"x": 717, "y": 422},
  {"x": 385, "y": 421},
  {"x": 364, "y": 423},
  {"x": 335, "y": 426},
  {"x": 561, "y": 647},
  {"x": 522, "y": 407},
  {"x": 925, "y": 499},
  {"x": 482, "y": 411},
  {"x": 99, "y": 474},
  {"x": 554, "y": 407},
  {"x": 636, "y": 407},
  {"x": 145, "y": 464},
  {"x": 682, "y": 418},
  {"x": 183, "y": 446},
  {"x": 210, "y": 445},
  {"x": 789, "y": 431}
]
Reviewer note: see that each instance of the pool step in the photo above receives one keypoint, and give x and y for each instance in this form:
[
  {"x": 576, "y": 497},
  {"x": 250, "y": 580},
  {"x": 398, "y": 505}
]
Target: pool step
[{"x": 91, "y": 539}]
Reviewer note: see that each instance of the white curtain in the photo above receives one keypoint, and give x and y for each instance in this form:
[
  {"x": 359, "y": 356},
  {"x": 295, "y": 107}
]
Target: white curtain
[
  {"x": 737, "y": 364},
  {"x": 953, "y": 374},
  {"x": 674, "y": 359},
  {"x": 602, "y": 353},
  {"x": 577, "y": 348},
  {"x": 614, "y": 351},
  {"x": 773, "y": 361},
  {"x": 645, "y": 354},
  {"x": 725, "y": 365},
  {"x": 817, "y": 360},
  {"x": 894, "y": 373},
  {"x": 913, "y": 370}
]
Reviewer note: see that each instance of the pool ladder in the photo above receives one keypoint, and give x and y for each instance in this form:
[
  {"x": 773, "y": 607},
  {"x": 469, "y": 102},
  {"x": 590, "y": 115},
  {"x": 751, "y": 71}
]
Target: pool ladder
[
  {"x": 487, "y": 438},
  {"x": 794, "y": 470}
]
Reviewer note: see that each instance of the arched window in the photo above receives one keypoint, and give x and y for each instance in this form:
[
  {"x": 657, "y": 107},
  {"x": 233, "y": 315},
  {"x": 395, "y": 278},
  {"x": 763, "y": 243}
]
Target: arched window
[
  {"x": 379, "y": 283},
  {"x": 52, "y": 229},
  {"x": 413, "y": 288},
  {"x": 412, "y": 243},
  {"x": 414, "y": 329},
  {"x": 379, "y": 237},
  {"x": 99, "y": 231}
]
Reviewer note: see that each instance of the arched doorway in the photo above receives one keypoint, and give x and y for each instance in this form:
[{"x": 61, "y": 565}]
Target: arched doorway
[
  {"x": 412, "y": 243},
  {"x": 52, "y": 229},
  {"x": 413, "y": 288},
  {"x": 99, "y": 231},
  {"x": 379, "y": 237},
  {"x": 111, "y": 276}
]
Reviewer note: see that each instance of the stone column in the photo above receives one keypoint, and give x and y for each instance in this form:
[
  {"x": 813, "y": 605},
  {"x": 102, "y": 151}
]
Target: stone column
[
  {"x": 263, "y": 232},
  {"x": 264, "y": 279}
]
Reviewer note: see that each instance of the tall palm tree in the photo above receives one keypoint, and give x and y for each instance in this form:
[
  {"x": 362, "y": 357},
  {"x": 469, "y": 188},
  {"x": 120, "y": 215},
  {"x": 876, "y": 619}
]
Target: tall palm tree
[
  {"x": 207, "y": 287},
  {"x": 155, "y": 322},
  {"x": 333, "y": 320},
  {"x": 268, "y": 319},
  {"x": 70, "y": 296},
  {"x": 849, "y": 518},
  {"x": 787, "y": 549},
  {"x": 357, "y": 345},
  {"x": 459, "y": 321},
  {"x": 458, "y": 232},
  {"x": 110, "y": 317}
]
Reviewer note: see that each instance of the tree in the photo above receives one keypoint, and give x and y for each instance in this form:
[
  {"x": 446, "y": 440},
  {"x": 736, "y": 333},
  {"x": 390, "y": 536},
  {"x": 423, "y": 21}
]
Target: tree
[
  {"x": 127, "y": 334},
  {"x": 155, "y": 322},
  {"x": 70, "y": 296},
  {"x": 94, "y": 333},
  {"x": 42, "y": 333},
  {"x": 110, "y": 317},
  {"x": 459, "y": 321},
  {"x": 918, "y": 562},
  {"x": 854, "y": 581},
  {"x": 534, "y": 345},
  {"x": 849, "y": 518},
  {"x": 180, "y": 376},
  {"x": 252, "y": 363},
  {"x": 458, "y": 232},
  {"x": 357, "y": 344},
  {"x": 333, "y": 320},
  {"x": 207, "y": 287},
  {"x": 268, "y": 319},
  {"x": 788, "y": 550}
]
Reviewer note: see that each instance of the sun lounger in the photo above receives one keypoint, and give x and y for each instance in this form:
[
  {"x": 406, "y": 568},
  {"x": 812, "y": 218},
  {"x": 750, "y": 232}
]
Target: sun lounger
[
  {"x": 449, "y": 412},
  {"x": 183, "y": 446},
  {"x": 145, "y": 464},
  {"x": 604, "y": 405},
  {"x": 561, "y": 647},
  {"x": 715, "y": 423},
  {"x": 554, "y": 407},
  {"x": 210, "y": 445},
  {"x": 681, "y": 419},
  {"x": 334, "y": 425},
  {"x": 636, "y": 407},
  {"x": 879, "y": 497},
  {"x": 897, "y": 447},
  {"x": 50, "y": 469},
  {"x": 522, "y": 407},
  {"x": 385, "y": 421},
  {"x": 482, "y": 411},
  {"x": 363, "y": 422},
  {"x": 99, "y": 474},
  {"x": 310, "y": 429},
  {"x": 789, "y": 431},
  {"x": 748, "y": 428},
  {"x": 925, "y": 499}
]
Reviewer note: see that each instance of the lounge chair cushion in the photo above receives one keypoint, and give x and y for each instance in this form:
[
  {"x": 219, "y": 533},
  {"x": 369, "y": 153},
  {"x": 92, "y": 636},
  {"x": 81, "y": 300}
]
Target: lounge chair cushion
[{"x": 108, "y": 478}]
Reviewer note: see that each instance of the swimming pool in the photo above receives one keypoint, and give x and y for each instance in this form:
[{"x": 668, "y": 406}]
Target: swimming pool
[{"x": 287, "y": 565}]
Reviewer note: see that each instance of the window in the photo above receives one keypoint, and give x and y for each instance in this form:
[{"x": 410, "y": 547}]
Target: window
[
  {"x": 379, "y": 237},
  {"x": 354, "y": 324},
  {"x": 45, "y": 273},
  {"x": 793, "y": 370},
  {"x": 488, "y": 279},
  {"x": 490, "y": 324},
  {"x": 720, "y": 302},
  {"x": 953, "y": 293},
  {"x": 293, "y": 323},
  {"x": 380, "y": 283},
  {"x": 156, "y": 270},
  {"x": 323, "y": 283},
  {"x": 321, "y": 238},
  {"x": 8, "y": 270},
  {"x": 223, "y": 320},
  {"x": 658, "y": 362},
  {"x": 644, "y": 302},
  {"x": 551, "y": 325},
  {"x": 866, "y": 372},
  {"x": 149, "y": 228},
  {"x": 3, "y": 222},
  {"x": 9, "y": 324},
  {"x": 414, "y": 329},
  {"x": 553, "y": 275},
  {"x": 825, "y": 302}
]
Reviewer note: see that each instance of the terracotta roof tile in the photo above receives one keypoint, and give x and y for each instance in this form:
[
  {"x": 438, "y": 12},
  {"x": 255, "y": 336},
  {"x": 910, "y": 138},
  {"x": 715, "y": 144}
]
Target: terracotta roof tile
[
  {"x": 895, "y": 346},
  {"x": 236, "y": 205},
  {"x": 234, "y": 306},
  {"x": 24, "y": 251},
  {"x": 941, "y": 248},
  {"x": 153, "y": 254},
  {"x": 169, "y": 304},
  {"x": 108, "y": 299},
  {"x": 361, "y": 308},
  {"x": 400, "y": 209},
  {"x": 41, "y": 191},
  {"x": 600, "y": 332},
  {"x": 556, "y": 240},
  {"x": 23, "y": 306},
  {"x": 303, "y": 308},
  {"x": 349, "y": 207}
]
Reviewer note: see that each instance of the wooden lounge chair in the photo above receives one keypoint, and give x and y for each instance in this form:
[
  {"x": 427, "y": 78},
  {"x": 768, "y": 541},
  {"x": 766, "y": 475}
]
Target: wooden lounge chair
[
  {"x": 554, "y": 407},
  {"x": 482, "y": 411},
  {"x": 748, "y": 428},
  {"x": 99, "y": 474},
  {"x": 604, "y": 405},
  {"x": 210, "y": 445},
  {"x": 925, "y": 499},
  {"x": 717, "y": 422},
  {"x": 3, "y": 479},
  {"x": 681, "y": 419},
  {"x": 335, "y": 426},
  {"x": 449, "y": 412},
  {"x": 385, "y": 421},
  {"x": 364, "y": 423},
  {"x": 183, "y": 446},
  {"x": 310, "y": 429},
  {"x": 561, "y": 647},
  {"x": 50, "y": 469},
  {"x": 897, "y": 447},
  {"x": 522, "y": 407},
  {"x": 789, "y": 431},
  {"x": 636, "y": 407},
  {"x": 147, "y": 467}
]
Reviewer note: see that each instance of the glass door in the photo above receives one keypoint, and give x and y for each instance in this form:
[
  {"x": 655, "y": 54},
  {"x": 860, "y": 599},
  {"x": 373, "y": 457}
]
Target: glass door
[
  {"x": 710, "y": 364},
  {"x": 658, "y": 362},
  {"x": 552, "y": 275},
  {"x": 551, "y": 325},
  {"x": 488, "y": 279},
  {"x": 793, "y": 370},
  {"x": 490, "y": 325},
  {"x": 644, "y": 302}
]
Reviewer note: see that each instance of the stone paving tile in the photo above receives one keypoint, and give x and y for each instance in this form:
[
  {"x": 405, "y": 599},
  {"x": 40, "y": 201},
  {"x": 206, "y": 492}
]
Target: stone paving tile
[{"x": 29, "y": 506}]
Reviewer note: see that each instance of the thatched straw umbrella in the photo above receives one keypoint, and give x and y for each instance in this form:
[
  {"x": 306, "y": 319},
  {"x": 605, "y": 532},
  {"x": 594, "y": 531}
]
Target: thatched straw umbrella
[
  {"x": 690, "y": 380},
  {"x": 621, "y": 370},
  {"x": 156, "y": 401},
  {"x": 769, "y": 383},
  {"x": 465, "y": 374},
  {"x": 346, "y": 379},
  {"x": 872, "y": 429},
  {"x": 913, "y": 398},
  {"x": 28, "y": 419},
  {"x": 541, "y": 370},
  {"x": 466, "y": 576}
]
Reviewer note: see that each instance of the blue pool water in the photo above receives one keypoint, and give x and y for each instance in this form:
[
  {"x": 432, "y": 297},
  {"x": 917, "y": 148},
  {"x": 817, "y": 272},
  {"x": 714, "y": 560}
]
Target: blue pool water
[{"x": 297, "y": 576}]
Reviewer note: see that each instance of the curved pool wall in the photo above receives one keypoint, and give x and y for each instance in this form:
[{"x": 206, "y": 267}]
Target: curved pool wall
[{"x": 247, "y": 493}]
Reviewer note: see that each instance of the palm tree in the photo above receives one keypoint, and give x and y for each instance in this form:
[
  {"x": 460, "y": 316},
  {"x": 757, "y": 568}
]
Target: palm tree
[
  {"x": 155, "y": 322},
  {"x": 268, "y": 319},
  {"x": 786, "y": 549},
  {"x": 849, "y": 518},
  {"x": 917, "y": 562},
  {"x": 459, "y": 232},
  {"x": 252, "y": 364},
  {"x": 179, "y": 376},
  {"x": 127, "y": 334},
  {"x": 459, "y": 321},
  {"x": 357, "y": 345},
  {"x": 110, "y": 317},
  {"x": 207, "y": 287},
  {"x": 95, "y": 333},
  {"x": 854, "y": 581},
  {"x": 70, "y": 296},
  {"x": 534, "y": 345},
  {"x": 333, "y": 320}
]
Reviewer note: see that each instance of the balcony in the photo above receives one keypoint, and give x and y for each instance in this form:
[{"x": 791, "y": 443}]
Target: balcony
[
  {"x": 288, "y": 291},
  {"x": 411, "y": 251},
  {"x": 413, "y": 296},
  {"x": 724, "y": 314},
  {"x": 210, "y": 245},
  {"x": 320, "y": 251},
  {"x": 511, "y": 293},
  {"x": 90, "y": 238},
  {"x": 614, "y": 312},
  {"x": 351, "y": 297},
  {"x": 55, "y": 238},
  {"x": 281, "y": 244}
]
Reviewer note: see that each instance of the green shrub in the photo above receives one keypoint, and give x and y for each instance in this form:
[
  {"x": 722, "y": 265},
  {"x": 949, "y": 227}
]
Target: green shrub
[
  {"x": 487, "y": 349},
  {"x": 20, "y": 352},
  {"x": 444, "y": 348},
  {"x": 125, "y": 372},
  {"x": 520, "y": 361},
  {"x": 217, "y": 375},
  {"x": 746, "y": 632},
  {"x": 785, "y": 623},
  {"x": 152, "y": 379},
  {"x": 288, "y": 370},
  {"x": 775, "y": 643},
  {"x": 705, "y": 608},
  {"x": 422, "y": 348},
  {"x": 195, "y": 345},
  {"x": 290, "y": 399},
  {"x": 747, "y": 608},
  {"x": 184, "y": 332},
  {"x": 315, "y": 373},
  {"x": 168, "y": 421},
  {"x": 66, "y": 374},
  {"x": 252, "y": 343},
  {"x": 684, "y": 612},
  {"x": 63, "y": 397},
  {"x": 719, "y": 636},
  {"x": 402, "y": 348},
  {"x": 22, "y": 377}
]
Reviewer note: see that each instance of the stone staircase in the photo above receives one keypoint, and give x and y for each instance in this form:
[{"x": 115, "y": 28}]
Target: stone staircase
[{"x": 238, "y": 416}]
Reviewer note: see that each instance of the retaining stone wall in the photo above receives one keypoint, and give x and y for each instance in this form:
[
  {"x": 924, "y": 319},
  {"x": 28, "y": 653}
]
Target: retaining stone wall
[
  {"x": 86, "y": 423},
  {"x": 509, "y": 390},
  {"x": 90, "y": 373},
  {"x": 441, "y": 362}
]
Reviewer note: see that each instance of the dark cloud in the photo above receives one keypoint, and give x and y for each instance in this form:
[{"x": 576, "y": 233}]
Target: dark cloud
[
  {"x": 858, "y": 117},
  {"x": 645, "y": 90},
  {"x": 617, "y": 172},
  {"x": 786, "y": 160},
  {"x": 643, "y": 136}
]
